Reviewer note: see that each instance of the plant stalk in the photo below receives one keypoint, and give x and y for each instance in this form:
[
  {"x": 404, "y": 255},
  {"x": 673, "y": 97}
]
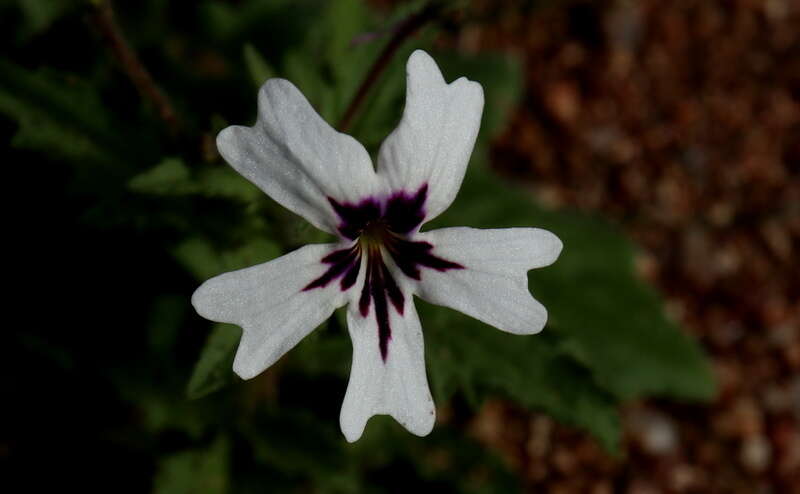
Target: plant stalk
[
  {"x": 406, "y": 28},
  {"x": 105, "y": 21}
]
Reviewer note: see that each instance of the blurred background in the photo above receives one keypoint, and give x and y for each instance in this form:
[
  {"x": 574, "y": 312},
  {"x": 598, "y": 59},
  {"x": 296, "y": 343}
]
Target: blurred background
[{"x": 659, "y": 140}]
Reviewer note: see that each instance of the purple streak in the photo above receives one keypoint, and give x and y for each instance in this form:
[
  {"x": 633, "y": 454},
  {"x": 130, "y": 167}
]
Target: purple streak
[{"x": 386, "y": 223}]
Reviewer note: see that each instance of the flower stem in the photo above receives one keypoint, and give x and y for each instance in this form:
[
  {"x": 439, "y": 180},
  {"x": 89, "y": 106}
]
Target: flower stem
[
  {"x": 406, "y": 28},
  {"x": 105, "y": 21}
]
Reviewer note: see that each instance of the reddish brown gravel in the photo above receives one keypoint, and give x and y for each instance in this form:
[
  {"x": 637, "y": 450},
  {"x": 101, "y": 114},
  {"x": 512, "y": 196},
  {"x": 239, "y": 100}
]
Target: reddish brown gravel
[{"x": 681, "y": 121}]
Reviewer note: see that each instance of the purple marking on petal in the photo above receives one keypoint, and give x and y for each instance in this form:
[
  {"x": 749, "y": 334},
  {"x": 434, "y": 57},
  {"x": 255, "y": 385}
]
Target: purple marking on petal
[
  {"x": 392, "y": 290},
  {"x": 355, "y": 217},
  {"x": 340, "y": 261},
  {"x": 363, "y": 302},
  {"x": 378, "y": 293},
  {"x": 351, "y": 275},
  {"x": 338, "y": 255},
  {"x": 377, "y": 222},
  {"x": 401, "y": 211},
  {"x": 410, "y": 255},
  {"x": 379, "y": 289},
  {"x": 404, "y": 212}
]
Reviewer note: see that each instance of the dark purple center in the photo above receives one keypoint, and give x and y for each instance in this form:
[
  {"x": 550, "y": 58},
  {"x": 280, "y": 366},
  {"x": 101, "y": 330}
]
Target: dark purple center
[{"x": 376, "y": 223}]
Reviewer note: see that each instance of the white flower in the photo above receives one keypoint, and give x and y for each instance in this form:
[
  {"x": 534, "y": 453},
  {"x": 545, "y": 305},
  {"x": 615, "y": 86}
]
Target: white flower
[{"x": 381, "y": 258}]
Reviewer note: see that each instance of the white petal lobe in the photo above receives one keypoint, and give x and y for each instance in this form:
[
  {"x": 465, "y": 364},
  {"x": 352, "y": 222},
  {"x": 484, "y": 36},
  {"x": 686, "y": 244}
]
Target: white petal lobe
[
  {"x": 269, "y": 303},
  {"x": 493, "y": 286},
  {"x": 437, "y": 132},
  {"x": 396, "y": 387},
  {"x": 294, "y": 156}
]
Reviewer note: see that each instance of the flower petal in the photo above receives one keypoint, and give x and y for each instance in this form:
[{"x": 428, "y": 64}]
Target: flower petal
[
  {"x": 398, "y": 386},
  {"x": 493, "y": 286},
  {"x": 434, "y": 140},
  {"x": 269, "y": 303},
  {"x": 299, "y": 160}
]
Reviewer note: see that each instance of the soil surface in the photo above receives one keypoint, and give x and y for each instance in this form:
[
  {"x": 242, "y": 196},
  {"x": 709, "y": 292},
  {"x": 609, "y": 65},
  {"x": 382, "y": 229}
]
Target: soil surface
[{"x": 681, "y": 122}]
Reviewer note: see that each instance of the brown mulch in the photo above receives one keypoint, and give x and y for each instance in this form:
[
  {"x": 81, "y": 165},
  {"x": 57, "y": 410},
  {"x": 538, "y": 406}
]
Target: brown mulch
[{"x": 681, "y": 121}]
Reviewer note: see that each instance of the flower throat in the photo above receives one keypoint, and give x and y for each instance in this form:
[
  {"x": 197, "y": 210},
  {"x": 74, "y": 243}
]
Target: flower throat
[{"x": 380, "y": 226}]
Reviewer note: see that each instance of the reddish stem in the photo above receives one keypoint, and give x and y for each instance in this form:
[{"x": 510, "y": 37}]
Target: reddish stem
[
  {"x": 403, "y": 31},
  {"x": 111, "y": 33}
]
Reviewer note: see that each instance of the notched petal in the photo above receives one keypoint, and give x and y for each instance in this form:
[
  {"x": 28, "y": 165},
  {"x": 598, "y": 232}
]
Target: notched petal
[
  {"x": 296, "y": 158},
  {"x": 397, "y": 386},
  {"x": 269, "y": 303},
  {"x": 493, "y": 286},
  {"x": 434, "y": 140}
]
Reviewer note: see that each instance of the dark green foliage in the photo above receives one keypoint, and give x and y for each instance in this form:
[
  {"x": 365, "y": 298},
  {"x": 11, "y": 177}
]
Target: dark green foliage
[
  {"x": 199, "y": 470},
  {"x": 467, "y": 356},
  {"x": 39, "y": 15},
  {"x": 610, "y": 321},
  {"x": 212, "y": 371},
  {"x": 57, "y": 114},
  {"x": 136, "y": 219}
]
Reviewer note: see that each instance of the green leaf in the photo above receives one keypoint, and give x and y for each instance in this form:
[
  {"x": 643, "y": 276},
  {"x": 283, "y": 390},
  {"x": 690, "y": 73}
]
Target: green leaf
[
  {"x": 166, "y": 316},
  {"x": 284, "y": 437},
  {"x": 201, "y": 258},
  {"x": 203, "y": 470},
  {"x": 331, "y": 64},
  {"x": 326, "y": 351},
  {"x": 59, "y": 115},
  {"x": 304, "y": 74},
  {"x": 163, "y": 410},
  {"x": 465, "y": 354},
  {"x": 446, "y": 457},
  {"x": 501, "y": 77},
  {"x": 341, "y": 23},
  {"x": 608, "y": 319},
  {"x": 171, "y": 177},
  {"x": 224, "y": 182},
  {"x": 213, "y": 370},
  {"x": 156, "y": 393},
  {"x": 258, "y": 68},
  {"x": 251, "y": 18},
  {"x": 381, "y": 111},
  {"x": 39, "y": 15},
  {"x": 618, "y": 327}
]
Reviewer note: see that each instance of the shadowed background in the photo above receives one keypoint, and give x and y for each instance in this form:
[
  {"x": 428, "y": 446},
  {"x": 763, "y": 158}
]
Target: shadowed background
[{"x": 661, "y": 143}]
